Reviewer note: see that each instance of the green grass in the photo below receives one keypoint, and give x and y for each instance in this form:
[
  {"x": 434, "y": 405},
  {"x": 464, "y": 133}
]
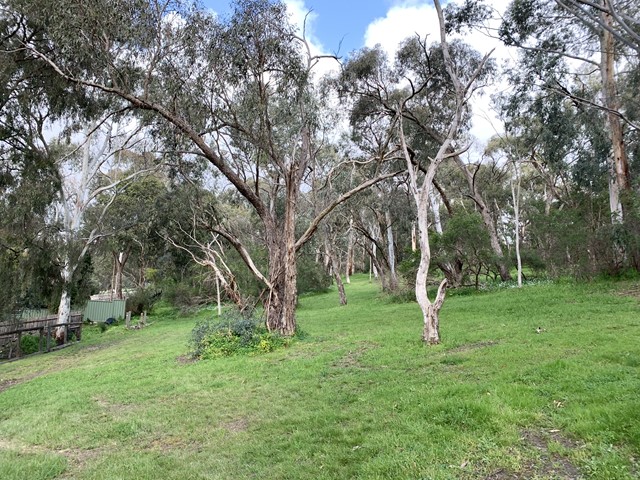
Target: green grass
[{"x": 358, "y": 397}]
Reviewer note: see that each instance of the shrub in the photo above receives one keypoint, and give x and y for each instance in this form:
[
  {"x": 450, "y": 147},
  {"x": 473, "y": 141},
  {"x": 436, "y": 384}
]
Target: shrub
[
  {"x": 179, "y": 295},
  {"x": 141, "y": 301},
  {"x": 312, "y": 278},
  {"x": 233, "y": 334},
  {"x": 28, "y": 344}
]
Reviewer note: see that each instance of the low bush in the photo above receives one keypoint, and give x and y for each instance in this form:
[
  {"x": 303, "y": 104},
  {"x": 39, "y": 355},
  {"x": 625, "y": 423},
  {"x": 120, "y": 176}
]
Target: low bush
[
  {"x": 233, "y": 334},
  {"x": 141, "y": 301},
  {"x": 179, "y": 295},
  {"x": 29, "y": 344}
]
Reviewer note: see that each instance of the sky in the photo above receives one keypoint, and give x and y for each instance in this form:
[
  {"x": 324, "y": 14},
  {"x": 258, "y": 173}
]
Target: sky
[{"x": 342, "y": 26}]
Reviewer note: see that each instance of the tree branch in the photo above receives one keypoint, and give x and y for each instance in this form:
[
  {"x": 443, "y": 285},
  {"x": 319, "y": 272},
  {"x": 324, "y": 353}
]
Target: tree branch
[{"x": 306, "y": 236}]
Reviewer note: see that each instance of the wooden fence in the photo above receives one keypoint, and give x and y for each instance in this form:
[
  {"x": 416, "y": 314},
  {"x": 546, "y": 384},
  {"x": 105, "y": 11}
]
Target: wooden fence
[{"x": 11, "y": 334}]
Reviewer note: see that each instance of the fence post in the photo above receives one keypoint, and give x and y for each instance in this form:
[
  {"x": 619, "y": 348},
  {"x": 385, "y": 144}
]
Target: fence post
[
  {"x": 18, "y": 349},
  {"x": 127, "y": 318},
  {"x": 66, "y": 333},
  {"x": 41, "y": 332},
  {"x": 48, "y": 337}
]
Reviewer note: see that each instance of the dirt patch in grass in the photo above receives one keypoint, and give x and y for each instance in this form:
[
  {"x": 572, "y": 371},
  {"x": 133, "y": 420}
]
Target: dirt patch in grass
[
  {"x": 547, "y": 464},
  {"x": 110, "y": 406},
  {"x": 185, "y": 360},
  {"x": 11, "y": 382},
  {"x": 632, "y": 291},
  {"x": 77, "y": 458},
  {"x": 168, "y": 443},
  {"x": 471, "y": 346},
  {"x": 237, "y": 425},
  {"x": 352, "y": 357},
  {"x": 8, "y": 383}
]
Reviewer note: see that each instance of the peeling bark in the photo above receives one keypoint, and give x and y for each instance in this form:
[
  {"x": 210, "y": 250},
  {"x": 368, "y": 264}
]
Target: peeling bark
[{"x": 619, "y": 161}]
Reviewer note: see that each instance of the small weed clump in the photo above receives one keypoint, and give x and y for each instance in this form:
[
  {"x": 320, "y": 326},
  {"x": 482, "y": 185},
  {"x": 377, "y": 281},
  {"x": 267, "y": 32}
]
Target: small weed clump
[{"x": 233, "y": 334}]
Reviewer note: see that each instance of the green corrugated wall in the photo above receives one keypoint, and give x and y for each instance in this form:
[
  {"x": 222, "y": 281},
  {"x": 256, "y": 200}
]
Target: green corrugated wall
[{"x": 99, "y": 311}]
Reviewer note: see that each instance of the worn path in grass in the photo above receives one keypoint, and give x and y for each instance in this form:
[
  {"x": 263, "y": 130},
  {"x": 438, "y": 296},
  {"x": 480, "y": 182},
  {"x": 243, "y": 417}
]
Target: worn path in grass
[{"x": 359, "y": 397}]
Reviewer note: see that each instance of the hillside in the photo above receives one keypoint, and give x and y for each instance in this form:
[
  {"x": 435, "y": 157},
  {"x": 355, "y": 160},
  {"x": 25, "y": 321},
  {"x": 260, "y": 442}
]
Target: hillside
[{"x": 358, "y": 397}]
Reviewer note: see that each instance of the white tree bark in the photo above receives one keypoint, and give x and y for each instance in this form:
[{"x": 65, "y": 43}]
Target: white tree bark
[
  {"x": 393, "y": 282},
  {"x": 619, "y": 163},
  {"x": 78, "y": 191},
  {"x": 414, "y": 237},
  {"x": 349, "y": 262},
  {"x": 515, "y": 195},
  {"x": 435, "y": 206},
  {"x": 421, "y": 190},
  {"x": 375, "y": 270}
]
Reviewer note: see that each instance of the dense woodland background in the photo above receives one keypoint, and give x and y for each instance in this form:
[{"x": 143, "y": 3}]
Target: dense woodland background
[{"x": 151, "y": 149}]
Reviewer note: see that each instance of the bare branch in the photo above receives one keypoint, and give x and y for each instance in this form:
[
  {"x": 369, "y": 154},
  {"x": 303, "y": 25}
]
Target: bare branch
[{"x": 306, "y": 236}]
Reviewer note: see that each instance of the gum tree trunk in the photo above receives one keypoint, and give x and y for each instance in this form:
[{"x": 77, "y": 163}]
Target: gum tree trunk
[
  {"x": 430, "y": 311},
  {"x": 420, "y": 192},
  {"x": 64, "y": 307},
  {"x": 281, "y": 302},
  {"x": 119, "y": 261},
  {"x": 620, "y": 184}
]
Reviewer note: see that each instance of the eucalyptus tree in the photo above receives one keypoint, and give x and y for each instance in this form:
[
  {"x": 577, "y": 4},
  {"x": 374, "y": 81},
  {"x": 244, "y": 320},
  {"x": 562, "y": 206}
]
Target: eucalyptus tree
[
  {"x": 132, "y": 222},
  {"x": 28, "y": 177},
  {"x": 567, "y": 42},
  {"x": 463, "y": 87},
  {"x": 422, "y": 103},
  {"x": 618, "y": 18},
  {"x": 237, "y": 92},
  {"x": 86, "y": 173}
]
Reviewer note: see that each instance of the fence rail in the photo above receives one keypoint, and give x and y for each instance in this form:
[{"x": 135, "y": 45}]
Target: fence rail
[{"x": 11, "y": 335}]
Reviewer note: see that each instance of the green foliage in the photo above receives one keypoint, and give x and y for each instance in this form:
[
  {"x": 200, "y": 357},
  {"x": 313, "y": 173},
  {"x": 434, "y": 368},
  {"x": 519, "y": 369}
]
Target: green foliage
[
  {"x": 500, "y": 400},
  {"x": 464, "y": 242},
  {"x": 234, "y": 333},
  {"x": 462, "y": 17},
  {"x": 311, "y": 276},
  {"x": 29, "y": 344},
  {"x": 141, "y": 301}
]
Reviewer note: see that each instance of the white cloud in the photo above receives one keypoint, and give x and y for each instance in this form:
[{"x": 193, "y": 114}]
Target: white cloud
[
  {"x": 402, "y": 21},
  {"x": 409, "y": 18}
]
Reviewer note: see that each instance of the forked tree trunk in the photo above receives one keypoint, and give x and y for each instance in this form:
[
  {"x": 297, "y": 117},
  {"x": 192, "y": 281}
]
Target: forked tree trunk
[
  {"x": 431, "y": 331},
  {"x": 430, "y": 311}
]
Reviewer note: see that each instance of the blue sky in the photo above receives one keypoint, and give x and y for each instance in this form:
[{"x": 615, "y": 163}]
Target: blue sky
[
  {"x": 359, "y": 23},
  {"x": 335, "y": 20},
  {"x": 345, "y": 20}
]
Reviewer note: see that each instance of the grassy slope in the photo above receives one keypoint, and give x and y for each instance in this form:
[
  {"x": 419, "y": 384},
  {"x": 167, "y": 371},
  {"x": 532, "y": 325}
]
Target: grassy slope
[{"x": 360, "y": 397}]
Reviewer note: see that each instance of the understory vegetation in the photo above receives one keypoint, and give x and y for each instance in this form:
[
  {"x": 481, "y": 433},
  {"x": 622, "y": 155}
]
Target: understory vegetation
[
  {"x": 539, "y": 382},
  {"x": 234, "y": 333}
]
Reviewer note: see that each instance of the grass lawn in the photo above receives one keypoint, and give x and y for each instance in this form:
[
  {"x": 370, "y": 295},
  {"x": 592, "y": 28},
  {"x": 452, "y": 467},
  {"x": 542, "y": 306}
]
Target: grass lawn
[{"x": 358, "y": 397}]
